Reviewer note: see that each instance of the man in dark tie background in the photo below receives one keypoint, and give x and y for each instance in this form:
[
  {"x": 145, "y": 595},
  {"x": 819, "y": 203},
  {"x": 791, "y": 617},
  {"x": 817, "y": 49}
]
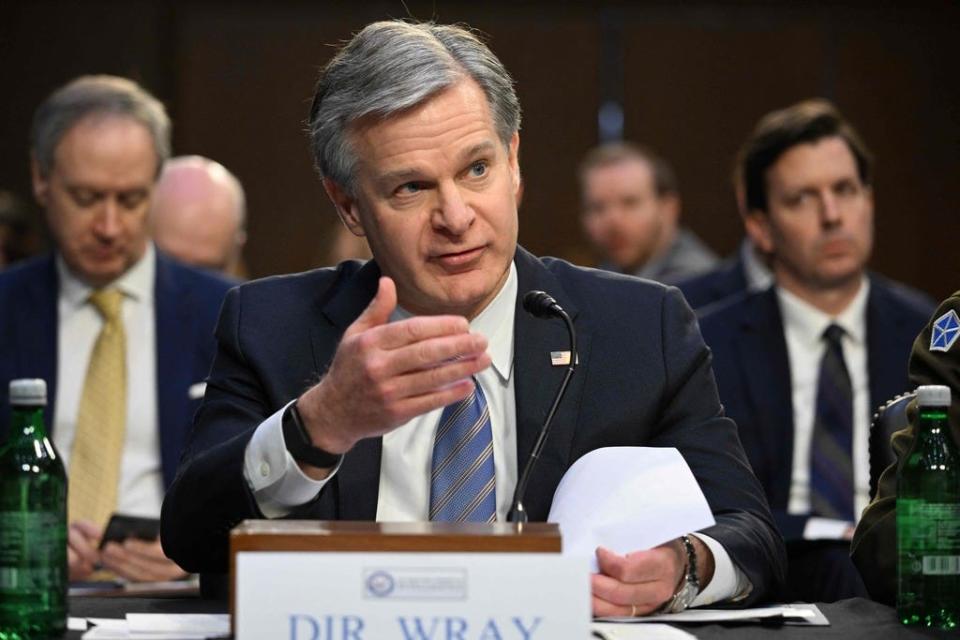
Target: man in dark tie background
[
  {"x": 801, "y": 366},
  {"x": 427, "y": 364}
]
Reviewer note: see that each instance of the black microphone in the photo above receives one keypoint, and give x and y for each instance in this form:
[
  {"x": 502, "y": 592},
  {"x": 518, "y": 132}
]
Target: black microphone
[{"x": 541, "y": 305}]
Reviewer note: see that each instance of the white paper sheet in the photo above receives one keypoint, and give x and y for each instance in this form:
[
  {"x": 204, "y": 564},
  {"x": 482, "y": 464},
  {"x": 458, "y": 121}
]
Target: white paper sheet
[
  {"x": 159, "y": 626},
  {"x": 208, "y": 623},
  {"x": 614, "y": 631},
  {"x": 76, "y": 624},
  {"x": 627, "y": 499},
  {"x": 804, "y": 613}
]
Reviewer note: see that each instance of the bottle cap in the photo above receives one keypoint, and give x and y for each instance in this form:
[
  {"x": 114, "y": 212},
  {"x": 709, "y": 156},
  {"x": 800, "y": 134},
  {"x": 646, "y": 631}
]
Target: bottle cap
[
  {"x": 933, "y": 395},
  {"x": 31, "y": 392}
]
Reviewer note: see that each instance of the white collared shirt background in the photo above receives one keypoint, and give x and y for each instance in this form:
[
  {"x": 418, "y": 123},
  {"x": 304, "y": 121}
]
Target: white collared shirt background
[
  {"x": 803, "y": 327},
  {"x": 141, "y": 477}
]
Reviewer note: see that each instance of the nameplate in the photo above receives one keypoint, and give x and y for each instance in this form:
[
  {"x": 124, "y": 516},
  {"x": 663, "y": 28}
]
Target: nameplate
[{"x": 410, "y": 596}]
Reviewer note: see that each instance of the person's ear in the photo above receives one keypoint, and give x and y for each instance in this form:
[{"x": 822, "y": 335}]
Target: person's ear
[
  {"x": 41, "y": 184},
  {"x": 757, "y": 224},
  {"x": 346, "y": 206}
]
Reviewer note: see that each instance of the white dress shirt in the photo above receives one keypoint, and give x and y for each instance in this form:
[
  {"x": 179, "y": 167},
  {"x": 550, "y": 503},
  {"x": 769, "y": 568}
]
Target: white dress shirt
[
  {"x": 79, "y": 323},
  {"x": 279, "y": 485},
  {"x": 803, "y": 326}
]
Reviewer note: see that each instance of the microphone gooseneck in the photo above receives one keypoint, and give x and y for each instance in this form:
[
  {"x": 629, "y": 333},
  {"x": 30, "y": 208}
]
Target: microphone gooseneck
[{"x": 541, "y": 305}]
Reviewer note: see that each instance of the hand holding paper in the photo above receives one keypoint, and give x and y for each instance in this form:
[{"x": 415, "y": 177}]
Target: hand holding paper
[{"x": 624, "y": 507}]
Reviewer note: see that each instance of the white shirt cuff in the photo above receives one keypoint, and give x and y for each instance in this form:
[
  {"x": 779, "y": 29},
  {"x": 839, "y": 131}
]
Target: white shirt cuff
[
  {"x": 728, "y": 583},
  {"x": 825, "y": 529},
  {"x": 277, "y": 482}
]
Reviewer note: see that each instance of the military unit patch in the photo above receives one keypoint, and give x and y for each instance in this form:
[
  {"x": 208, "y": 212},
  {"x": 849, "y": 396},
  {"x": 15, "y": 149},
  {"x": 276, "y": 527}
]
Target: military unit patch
[{"x": 946, "y": 328}]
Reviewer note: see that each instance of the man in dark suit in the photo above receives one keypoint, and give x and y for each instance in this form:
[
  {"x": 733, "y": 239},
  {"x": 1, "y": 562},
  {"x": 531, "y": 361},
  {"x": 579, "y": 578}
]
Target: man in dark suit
[
  {"x": 932, "y": 361},
  {"x": 97, "y": 145},
  {"x": 415, "y": 132},
  {"x": 801, "y": 366}
]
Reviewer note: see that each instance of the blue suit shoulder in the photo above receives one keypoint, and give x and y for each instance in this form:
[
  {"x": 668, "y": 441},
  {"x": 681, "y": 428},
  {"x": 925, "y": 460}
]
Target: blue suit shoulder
[
  {"x": 590, "y": 286},
  {"x": 910, "y": 300},
  {"x": 191, "y": 277},
  {"x": 723, "y": 315},
  {"x": 27, "y": 274},
  {"x": 179, "y": 285},
  {"x": 726, "y": 280},
  {"x": 314, "y": 287}
]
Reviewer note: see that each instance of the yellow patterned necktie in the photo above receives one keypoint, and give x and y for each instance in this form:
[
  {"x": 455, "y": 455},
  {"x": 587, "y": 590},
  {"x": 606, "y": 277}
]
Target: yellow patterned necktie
[{"x": 101, "y": 421}]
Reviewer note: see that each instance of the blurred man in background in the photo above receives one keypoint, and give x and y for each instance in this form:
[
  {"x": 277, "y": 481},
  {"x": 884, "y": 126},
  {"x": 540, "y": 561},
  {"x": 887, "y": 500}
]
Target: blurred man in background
[
  {"x": 631, "y": 211},
  {"x": 18, "y": 237},
  {"x": 802, "y": 365},
  {"x": 199, "y": 214},
  {"x": 121, "y": 333}
]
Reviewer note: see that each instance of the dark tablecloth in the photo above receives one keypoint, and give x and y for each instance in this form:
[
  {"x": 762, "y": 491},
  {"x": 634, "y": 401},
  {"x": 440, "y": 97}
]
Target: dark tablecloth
[{"x": 849, "y": 619}]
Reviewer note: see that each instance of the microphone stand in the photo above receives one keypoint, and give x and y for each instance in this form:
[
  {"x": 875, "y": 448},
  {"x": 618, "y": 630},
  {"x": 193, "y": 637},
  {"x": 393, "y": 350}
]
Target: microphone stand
[{"x": 518, "y": 513}]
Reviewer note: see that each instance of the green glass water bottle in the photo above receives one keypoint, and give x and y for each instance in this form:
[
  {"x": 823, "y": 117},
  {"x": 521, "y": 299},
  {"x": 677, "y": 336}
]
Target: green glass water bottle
[
  {"x": 928, "y": 518},
  {"x": 33, "y": 522}
]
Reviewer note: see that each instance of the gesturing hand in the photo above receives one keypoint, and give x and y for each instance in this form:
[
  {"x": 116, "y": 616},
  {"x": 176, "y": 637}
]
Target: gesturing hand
[{"x": 382, "y": 375}]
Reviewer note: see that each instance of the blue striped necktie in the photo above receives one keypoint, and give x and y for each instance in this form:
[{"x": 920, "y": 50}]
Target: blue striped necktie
[
  {"x": 462, "y": 479},
  {"x": 831, "y": 449}
]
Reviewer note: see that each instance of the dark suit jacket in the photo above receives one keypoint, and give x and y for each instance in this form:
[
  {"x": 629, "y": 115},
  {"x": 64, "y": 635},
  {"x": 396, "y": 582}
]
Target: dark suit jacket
[
  {"x": 874, "y": 548},
  {"x": 727, "y": 280},
  {"x": 753, "y": 375},
  {"x": 186, "y": 300},
  {"x": 644, "y": 379}
]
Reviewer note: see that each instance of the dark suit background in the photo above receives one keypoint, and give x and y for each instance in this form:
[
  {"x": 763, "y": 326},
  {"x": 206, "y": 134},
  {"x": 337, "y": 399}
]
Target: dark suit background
[
  {"x": 752, "y": 367},
  {"x": 186, "y": 302}
]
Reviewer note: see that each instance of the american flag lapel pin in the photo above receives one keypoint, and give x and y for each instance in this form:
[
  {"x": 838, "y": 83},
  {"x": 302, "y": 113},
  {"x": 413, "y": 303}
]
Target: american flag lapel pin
[{"x": 560, "y": 358}]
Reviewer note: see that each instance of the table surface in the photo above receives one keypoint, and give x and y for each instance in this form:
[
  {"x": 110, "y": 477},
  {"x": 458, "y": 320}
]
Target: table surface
[{"x": 849, "y": 619}]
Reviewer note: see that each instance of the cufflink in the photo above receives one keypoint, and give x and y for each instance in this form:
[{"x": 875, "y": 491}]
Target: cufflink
[{"x": 196, "y": 391}]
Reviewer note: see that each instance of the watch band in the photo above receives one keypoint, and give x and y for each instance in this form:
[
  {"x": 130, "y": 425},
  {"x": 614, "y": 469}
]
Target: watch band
[
  {"x": 689, "y": 587},
  {"x": 299, "y": 444}
]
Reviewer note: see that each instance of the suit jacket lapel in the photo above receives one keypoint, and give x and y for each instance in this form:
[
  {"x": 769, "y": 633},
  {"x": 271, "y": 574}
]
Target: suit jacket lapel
[
  {"x": 766, "y": 375},
  {"x": 358, "y": 481},
  {"x": 175, "y": 329},
  {"x": 537, "y": 380}
]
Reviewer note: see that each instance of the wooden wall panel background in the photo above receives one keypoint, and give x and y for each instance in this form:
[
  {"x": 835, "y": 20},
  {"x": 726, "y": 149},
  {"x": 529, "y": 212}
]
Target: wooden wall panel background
[{"x": 237, "y": 78}]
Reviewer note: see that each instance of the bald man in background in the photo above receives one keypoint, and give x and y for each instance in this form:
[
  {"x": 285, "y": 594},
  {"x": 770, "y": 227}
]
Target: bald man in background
[{"x": 199, "y": 214}]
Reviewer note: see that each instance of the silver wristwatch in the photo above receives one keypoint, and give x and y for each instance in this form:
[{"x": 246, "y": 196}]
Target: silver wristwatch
[{"x": 690, "y": 586}]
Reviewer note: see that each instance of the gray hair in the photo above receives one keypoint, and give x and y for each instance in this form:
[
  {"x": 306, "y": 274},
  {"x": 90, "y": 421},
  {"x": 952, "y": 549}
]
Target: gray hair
[
  {"x": 392, "y": 66},
  {"x": 96, "y": 95}
]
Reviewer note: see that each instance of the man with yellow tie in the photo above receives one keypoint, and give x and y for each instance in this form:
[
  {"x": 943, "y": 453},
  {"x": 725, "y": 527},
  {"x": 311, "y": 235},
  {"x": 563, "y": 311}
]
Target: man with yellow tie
[{"x": 121, "y": 333}]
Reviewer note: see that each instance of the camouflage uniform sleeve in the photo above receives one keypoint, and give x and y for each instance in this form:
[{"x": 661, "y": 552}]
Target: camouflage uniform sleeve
[{"x": 935, "y": 359}]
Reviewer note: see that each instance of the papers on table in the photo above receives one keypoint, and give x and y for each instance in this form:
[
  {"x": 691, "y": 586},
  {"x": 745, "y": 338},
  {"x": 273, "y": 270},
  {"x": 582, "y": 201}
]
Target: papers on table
[
  {"x": 654, "y": 631},
  {"x": 803, "y": 614},
  {"x": 157, "y": 626},
  {"x": 627, "y": 499},
  {"x": 186, "y": 587}
]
